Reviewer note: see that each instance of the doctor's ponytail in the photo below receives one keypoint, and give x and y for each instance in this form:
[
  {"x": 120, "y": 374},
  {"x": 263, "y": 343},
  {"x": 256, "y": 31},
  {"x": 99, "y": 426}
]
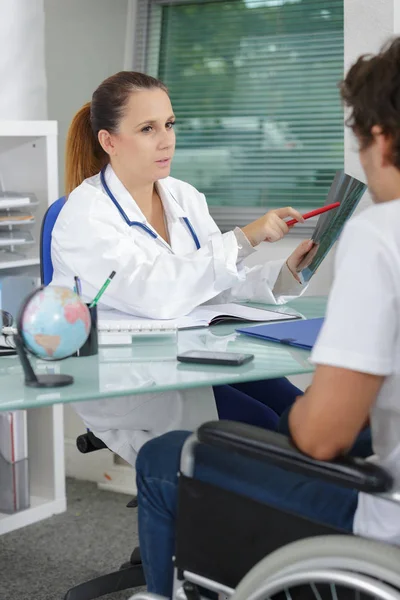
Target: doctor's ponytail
[{"x": 84, "y": 156}]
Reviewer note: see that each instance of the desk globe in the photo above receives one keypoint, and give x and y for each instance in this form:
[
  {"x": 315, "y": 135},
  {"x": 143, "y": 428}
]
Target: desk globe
[{"x": 53, "y": 324}]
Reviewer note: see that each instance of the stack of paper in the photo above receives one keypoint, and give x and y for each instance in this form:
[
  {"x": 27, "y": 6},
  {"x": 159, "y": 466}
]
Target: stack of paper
[
  {"x": 118, "y": 328},
  {"x": 13, "y": 202}
]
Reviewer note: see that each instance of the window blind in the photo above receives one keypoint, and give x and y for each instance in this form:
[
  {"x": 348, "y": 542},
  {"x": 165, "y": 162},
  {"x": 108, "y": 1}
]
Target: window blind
[{"x": 253, "y": 84}]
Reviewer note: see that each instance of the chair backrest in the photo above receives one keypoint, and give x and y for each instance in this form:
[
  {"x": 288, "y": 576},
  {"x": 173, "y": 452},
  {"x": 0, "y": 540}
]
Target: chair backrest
[{"x": 49, "y": 220}]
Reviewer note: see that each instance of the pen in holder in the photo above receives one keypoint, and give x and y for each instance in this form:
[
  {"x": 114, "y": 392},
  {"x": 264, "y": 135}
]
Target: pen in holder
[{"x": 91, "y": 346}]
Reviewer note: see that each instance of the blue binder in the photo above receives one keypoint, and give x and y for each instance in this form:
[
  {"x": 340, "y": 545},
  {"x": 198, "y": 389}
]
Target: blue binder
[{"x": 301, "y": 334}]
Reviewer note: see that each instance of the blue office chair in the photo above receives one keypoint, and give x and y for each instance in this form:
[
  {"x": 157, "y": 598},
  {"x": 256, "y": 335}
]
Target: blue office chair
[
  {"x": 86, "y": 442},
  {"x": 130, "y": 574},
  {"x": 49, "y": 220}
]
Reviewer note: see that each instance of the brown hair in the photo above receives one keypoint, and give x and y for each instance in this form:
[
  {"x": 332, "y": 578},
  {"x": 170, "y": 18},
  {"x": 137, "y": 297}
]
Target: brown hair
[
  {"x": 84, "y": 156},
  {"x": 371, "y": 89}
]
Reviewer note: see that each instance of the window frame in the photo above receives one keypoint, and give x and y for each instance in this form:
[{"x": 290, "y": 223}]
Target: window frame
[{"x": 147, "y": 40}]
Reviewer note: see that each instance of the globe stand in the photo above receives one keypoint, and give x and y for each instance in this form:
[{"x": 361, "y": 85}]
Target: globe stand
[{"x": 38, "y": 381}]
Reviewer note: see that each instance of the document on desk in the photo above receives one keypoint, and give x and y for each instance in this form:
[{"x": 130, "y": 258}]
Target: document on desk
[
  {"x": 114, "y": 325},
  {"x": 213, "y": 314}
]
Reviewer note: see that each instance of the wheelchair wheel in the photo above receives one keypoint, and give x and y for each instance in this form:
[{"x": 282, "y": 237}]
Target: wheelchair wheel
[{"x": 325, "y": 568}]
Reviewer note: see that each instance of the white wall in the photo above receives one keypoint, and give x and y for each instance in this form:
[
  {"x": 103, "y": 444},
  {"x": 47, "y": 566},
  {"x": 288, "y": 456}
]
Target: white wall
[
  {"x": 85, "y": 43},
  {"x": 396, "y": 16},
  {"x": 22, "y": 69}
]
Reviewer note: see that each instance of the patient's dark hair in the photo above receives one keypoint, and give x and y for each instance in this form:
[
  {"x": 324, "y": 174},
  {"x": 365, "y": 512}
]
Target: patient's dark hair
[
  {"x": 84, "y": 157},
  {"x": 371, "y": 89}
]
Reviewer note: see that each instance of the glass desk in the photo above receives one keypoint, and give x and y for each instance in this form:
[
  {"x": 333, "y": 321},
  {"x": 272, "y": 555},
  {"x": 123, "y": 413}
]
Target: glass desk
[{"x": 150, "y": 365}]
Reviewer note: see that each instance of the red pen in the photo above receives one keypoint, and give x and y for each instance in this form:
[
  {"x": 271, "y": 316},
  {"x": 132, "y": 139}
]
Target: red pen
[{"x": 314, "y": 213}]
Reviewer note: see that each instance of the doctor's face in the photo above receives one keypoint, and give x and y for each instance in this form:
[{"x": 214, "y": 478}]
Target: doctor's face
[{"x": 145, "y": 142}]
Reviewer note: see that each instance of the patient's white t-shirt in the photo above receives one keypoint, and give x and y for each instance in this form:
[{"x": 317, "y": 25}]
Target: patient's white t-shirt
[{"x": 362, "y": 332}]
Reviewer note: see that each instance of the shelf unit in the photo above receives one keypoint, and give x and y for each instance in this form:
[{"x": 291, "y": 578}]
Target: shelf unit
[
  {"x": 13, "y": 263},
  {"x": 46, "y": 469},
  {"x": 28, "y": 163}
]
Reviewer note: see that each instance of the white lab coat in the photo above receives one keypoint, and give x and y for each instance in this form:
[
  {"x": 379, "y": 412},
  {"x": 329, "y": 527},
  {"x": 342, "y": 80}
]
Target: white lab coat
[{"x": 156, "y": 280}]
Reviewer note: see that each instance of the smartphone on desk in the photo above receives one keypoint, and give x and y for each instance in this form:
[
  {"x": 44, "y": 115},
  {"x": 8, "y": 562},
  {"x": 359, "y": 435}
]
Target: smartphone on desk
[{"x": 234, "y": 359}]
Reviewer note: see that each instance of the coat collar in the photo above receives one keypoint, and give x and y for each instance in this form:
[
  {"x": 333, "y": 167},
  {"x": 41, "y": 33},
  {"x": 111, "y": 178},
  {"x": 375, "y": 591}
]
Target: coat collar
[{"x": 172, "y": 208}]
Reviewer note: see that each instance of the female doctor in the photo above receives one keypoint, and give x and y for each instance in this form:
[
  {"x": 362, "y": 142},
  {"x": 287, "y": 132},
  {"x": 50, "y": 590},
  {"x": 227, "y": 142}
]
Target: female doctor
[{"x": 125, "y": 213}]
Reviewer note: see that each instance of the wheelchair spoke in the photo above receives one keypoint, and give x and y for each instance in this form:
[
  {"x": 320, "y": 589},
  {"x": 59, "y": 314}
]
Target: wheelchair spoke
[
  {"x": 333, "y": 591},
  {"x": 315, "y": 590},
  {"x": 287, "y": 594},
  {"x": 327, "y": 591}
]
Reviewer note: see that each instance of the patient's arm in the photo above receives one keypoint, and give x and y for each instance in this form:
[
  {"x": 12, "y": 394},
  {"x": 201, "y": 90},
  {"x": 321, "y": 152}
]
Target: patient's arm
[{"x": 327, "y": 419}]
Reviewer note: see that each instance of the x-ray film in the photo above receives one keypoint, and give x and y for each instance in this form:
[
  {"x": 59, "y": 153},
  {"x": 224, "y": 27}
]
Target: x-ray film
[{"x": 348, "y": 191}]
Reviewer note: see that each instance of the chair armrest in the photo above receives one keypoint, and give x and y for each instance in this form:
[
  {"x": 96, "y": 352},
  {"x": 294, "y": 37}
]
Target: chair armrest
[
  {"x": 88, "y": 442},
  {"x": 277, "y": 449}
]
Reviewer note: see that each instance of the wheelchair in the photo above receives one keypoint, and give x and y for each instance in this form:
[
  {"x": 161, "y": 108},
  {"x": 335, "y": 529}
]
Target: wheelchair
[{"x": 231, "y": 546}]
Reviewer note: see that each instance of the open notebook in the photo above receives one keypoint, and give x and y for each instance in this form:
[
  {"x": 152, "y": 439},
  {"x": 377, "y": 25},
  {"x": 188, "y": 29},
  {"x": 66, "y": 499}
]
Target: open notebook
[{"x": 118, "y": 328}]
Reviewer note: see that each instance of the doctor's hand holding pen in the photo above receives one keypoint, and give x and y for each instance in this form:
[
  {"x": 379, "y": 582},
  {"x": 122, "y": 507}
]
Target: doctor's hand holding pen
[{"x": 271, "y": 227}]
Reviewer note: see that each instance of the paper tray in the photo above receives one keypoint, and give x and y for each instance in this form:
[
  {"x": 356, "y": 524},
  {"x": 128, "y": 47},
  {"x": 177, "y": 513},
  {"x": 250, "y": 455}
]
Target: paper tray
[
  {"x": 17, "y": 200},
  {"x": 15, "y": 238},
  {"x": 16, "y": 221}
]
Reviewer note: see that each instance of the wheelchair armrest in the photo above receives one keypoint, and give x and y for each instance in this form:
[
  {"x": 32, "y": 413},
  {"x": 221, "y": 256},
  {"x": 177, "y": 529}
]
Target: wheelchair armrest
[{"x": 277, "y": 449}]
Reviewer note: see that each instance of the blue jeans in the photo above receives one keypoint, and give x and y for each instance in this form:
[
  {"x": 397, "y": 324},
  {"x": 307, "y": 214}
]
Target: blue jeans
[
  {"x": 259, "y": 403},
  {"x": 267, "y": 404},
  {"x": 157, "y": 467}
]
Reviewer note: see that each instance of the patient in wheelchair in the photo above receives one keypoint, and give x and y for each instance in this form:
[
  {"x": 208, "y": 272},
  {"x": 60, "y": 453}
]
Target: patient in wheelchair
[{"x": 357, "y": 357}]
